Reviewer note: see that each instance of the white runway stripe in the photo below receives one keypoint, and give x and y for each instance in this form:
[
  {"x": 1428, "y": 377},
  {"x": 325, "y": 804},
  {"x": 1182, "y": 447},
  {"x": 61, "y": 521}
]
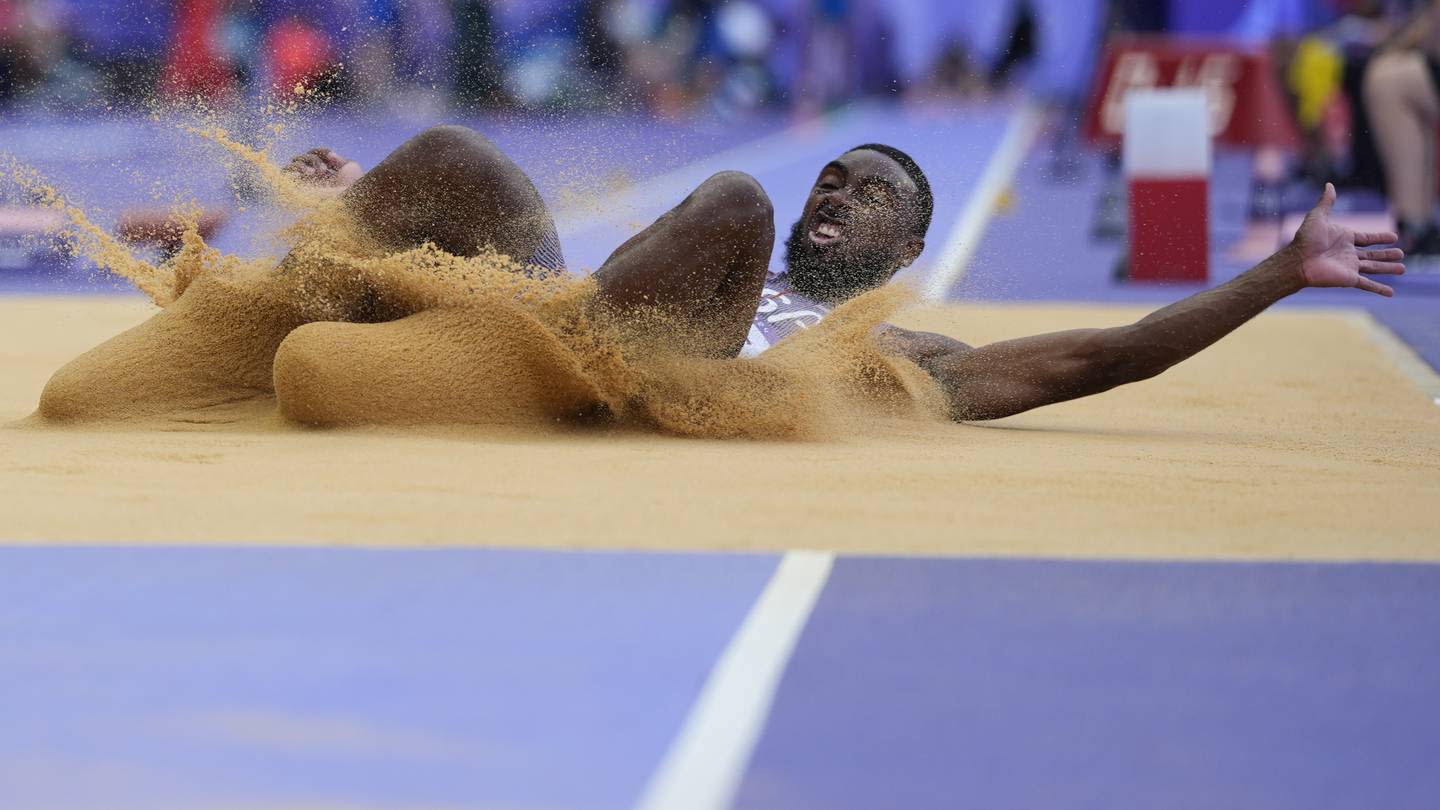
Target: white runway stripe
[
  {"x": 704, "y": 766},
  {"x": 974, "y": 218}
]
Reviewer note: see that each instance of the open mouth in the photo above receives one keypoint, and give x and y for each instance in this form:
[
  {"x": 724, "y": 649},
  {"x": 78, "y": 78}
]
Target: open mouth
[{"x": 826, "y": 231}]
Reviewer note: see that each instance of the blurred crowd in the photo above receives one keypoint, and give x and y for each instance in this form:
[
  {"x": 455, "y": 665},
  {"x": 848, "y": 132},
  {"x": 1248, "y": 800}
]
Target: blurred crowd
[
  {"x": 1362, "y": 79},
  {"x": 1362, "y": 76},
  {"x": 666, "y": 55}
]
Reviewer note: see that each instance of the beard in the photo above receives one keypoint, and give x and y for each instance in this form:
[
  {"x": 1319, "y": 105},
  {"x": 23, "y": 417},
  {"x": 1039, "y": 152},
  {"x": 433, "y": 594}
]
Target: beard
[{"x": 830, "y": 276}]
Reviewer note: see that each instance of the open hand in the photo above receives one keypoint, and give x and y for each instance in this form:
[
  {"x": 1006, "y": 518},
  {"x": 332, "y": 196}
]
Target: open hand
[
  {"x": 324, "y": 168},
  {"x": 1332, "y": 255}
]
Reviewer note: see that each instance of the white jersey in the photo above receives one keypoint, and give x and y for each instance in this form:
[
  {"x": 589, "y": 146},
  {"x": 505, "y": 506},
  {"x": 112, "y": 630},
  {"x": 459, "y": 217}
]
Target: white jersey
[{"x": 782, "y": 312}]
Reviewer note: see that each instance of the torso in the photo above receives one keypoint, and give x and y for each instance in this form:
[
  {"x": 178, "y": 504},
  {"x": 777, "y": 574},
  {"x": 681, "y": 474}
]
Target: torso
[{"x": 782, "y": 313}]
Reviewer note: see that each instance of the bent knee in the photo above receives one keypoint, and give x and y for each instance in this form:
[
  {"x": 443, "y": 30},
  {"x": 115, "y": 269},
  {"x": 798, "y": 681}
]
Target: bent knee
[
  {"x": 737, "y": 198},
  {"x": 1389, "y": 74},
  {"x": 738, "y": 190},
  {"x": 448, "y": 138}
]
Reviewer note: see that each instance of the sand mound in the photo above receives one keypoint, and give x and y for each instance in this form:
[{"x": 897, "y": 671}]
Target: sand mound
[{"x": 483, "y": 364}]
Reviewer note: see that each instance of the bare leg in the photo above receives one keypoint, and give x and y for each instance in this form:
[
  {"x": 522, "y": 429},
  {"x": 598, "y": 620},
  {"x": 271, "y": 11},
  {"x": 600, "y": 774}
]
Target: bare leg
[
  {"x": 703, "y": 261},
  {"x": 1403, "y": 110},
  {"x": 216, "y": 343}
]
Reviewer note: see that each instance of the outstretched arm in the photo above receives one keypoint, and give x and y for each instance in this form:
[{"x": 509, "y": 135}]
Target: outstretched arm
[{"x": 1012, "y": 376}]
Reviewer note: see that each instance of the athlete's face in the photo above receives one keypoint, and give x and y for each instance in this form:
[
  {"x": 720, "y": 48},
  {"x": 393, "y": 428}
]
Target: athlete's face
[{"x": 859, "y": 226}]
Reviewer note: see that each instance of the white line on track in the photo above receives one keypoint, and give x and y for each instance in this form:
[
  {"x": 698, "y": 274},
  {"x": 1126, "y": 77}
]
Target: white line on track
[
  {"x": 1406, "y": 361},
  {"x": 974, "y": 218},
  {"x": 704, "y": 766}
]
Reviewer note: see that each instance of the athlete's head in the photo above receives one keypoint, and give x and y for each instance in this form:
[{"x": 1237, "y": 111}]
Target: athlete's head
[{"x": 865, "y": 219}]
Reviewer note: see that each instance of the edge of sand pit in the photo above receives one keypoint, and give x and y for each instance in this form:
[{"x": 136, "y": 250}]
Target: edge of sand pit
[
  {"x": 1401, "y": 354},
  {"x": 383, "y": 547}
]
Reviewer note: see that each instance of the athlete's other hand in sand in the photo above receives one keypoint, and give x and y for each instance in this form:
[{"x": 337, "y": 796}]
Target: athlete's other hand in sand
[{"x": 325, "y": 169}]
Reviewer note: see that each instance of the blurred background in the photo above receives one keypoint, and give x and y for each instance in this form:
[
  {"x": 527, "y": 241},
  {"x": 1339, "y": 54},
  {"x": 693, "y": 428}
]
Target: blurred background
[
  {"x": 674, "y": 57},
  {"x": 1296, "y": 83}
]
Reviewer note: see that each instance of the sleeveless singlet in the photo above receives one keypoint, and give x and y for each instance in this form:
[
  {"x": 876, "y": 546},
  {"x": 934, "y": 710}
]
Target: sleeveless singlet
[
  {"x": 548, "y": 255},
  {"x": 782, "y": 313}
]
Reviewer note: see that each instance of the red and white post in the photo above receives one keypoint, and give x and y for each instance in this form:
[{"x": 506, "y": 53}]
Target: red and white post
[{"x": 1167, "y": 169}]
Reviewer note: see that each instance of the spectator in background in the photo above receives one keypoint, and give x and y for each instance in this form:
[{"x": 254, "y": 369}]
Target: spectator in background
[
  {"x": 123, "y": 43},
  {"x": 1362, "y": 29},
  {"x": 402, "y": 57},
  {"x": 538, "y": 53},
  {"x": 28, "y": 46},
  {"x": 829, "y": 71},
  {"x": 1402, "y": 91},
  {"x": 476, "y": 77},
  {"x": 677, "y": 55},
  {"x": 43, "y": 65},
  {"x": 673, "y": 56},
  {"x": 747, "y": 37},
  {"x": 309, "y": 43},
  {"x": 1064, "y": 38},
  {"x": 682, "y": 59}
]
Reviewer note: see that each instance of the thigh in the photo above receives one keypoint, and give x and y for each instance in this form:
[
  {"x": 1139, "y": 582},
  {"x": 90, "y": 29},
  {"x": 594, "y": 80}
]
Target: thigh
[{"x": 1404, "y": 78}]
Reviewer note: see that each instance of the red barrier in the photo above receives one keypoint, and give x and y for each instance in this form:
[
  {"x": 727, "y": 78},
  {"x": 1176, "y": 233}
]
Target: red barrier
[
  {"x": 1167, "y": 158},
  {"x": 1169, "y": 230},
  {"x": 1247, "y": 105}
]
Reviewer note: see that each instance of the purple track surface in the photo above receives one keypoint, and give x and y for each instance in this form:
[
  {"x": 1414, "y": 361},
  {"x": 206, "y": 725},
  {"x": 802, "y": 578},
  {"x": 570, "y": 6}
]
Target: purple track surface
[
  {"x": 105, "y": 166},
  {"x": 161, "y": 679},
  {"x": 173, "y": 678},
  {"x": 949, "y": 683},
  {"x": 580, "y": 166}
]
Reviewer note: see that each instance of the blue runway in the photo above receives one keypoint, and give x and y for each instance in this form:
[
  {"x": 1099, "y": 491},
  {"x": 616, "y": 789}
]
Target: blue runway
[
  {"x": 1005, "y": 683},
  {"x": 289, "y": 677},
  {"x": 170, "y": 677},
  {"x": 604, "y": 178}
]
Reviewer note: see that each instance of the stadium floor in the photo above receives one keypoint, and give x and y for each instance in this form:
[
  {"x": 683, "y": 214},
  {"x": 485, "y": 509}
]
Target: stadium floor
[{"x": 1272, "y": 641}]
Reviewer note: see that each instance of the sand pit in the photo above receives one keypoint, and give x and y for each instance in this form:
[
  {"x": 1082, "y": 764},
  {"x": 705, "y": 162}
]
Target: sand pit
[{"x": 1294, "y": 438}]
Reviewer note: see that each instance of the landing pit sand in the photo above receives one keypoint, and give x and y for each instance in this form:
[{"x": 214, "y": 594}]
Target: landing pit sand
[{"x": 1296, "y": 437}]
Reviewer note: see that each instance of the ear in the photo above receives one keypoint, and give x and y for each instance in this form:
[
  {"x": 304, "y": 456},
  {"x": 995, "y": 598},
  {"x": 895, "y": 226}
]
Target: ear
[{"x": 909, "y": 253}]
